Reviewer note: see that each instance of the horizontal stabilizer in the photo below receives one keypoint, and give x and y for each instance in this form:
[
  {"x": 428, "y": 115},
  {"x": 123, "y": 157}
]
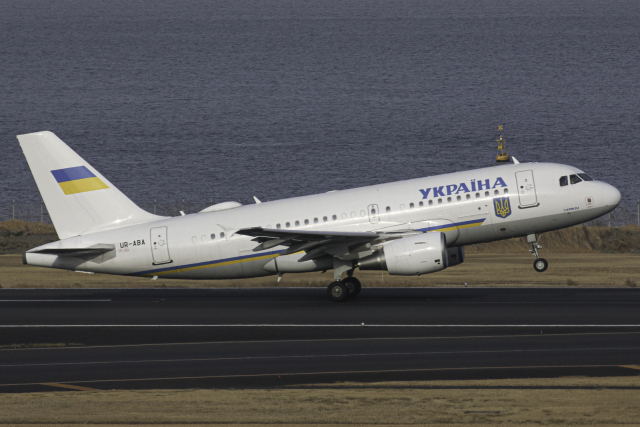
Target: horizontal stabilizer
[{"x": 94, "y": 250}]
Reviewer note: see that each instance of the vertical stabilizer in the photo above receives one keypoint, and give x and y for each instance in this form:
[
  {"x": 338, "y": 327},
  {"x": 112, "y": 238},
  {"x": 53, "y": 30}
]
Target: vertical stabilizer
[{"x": 78, "y": 198}]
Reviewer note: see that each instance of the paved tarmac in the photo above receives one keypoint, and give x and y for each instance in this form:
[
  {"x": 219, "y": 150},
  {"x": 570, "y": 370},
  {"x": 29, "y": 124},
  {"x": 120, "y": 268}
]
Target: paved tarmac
[{"x": 243, "y": 338}]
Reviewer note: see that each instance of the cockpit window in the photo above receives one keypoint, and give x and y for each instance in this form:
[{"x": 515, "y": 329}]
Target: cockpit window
[
  {"x": 585, "y": 177},
  {"x": 574, "y": 179},
  {"x": 563, "y": 181}
]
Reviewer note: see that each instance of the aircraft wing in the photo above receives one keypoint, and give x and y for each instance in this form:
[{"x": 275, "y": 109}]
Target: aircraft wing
[{"x": 317, "y": 244}]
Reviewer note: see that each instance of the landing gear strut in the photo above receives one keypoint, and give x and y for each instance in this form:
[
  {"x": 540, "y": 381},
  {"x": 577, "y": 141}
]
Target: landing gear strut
[{"x": 540, "y": 264}]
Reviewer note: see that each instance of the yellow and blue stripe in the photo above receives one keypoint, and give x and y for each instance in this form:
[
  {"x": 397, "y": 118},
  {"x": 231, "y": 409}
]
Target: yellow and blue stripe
[
  {"x": 455, "y": 226},
  {"x": 78, "y": 180},
  {"x": 274, "y": 254},
  {"x": 208, "y": 264}
]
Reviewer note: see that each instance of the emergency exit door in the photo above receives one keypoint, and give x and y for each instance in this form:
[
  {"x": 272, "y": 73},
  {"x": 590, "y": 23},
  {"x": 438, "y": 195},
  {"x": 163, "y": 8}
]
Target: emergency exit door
[
  {"x": 374, "y": 214},
  {"x": 160, "y": 246},
  {"x": 526, "y": 189}
]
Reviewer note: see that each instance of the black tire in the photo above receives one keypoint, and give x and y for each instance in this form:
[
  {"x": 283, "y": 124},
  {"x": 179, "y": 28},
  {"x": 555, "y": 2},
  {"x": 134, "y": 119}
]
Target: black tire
[
  {"x": 337, "y": 291},
  {"x": 353, "y": 285},
  {"x": 540, "y": 265}
]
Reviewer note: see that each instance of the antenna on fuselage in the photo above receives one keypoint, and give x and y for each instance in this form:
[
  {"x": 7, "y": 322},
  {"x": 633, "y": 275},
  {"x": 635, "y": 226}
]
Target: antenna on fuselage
[{"x": 502, "y": 156}]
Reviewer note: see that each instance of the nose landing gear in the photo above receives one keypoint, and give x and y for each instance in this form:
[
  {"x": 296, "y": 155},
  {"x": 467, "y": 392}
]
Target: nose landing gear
[{"x": 540, "y": 264}]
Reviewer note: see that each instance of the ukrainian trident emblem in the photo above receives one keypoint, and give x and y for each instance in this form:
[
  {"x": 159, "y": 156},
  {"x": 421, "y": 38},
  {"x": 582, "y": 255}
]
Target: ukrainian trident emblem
[{"x": 502, "y": 207}]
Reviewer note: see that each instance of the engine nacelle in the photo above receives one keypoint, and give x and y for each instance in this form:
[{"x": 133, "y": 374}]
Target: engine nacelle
[{"x": 410, "y": 256}]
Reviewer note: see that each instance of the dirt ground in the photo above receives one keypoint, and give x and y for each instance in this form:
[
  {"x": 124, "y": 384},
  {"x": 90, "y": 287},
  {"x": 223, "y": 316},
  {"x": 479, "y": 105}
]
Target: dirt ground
[{"x": 566, "y": 401}]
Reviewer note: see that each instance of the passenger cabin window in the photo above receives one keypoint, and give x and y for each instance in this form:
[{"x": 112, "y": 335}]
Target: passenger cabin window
[
  {"x": 297, "y": 223},
  {"x": 486, "y": 194},
  {"x": 449, "y": 199},
  {"x": 388, "y": 209},
  {"x": 468, "y": 196},
  {"x": 585, "y": 177},
  {"x": 288, "y": 224},
  {"x": 344, "y": 216},
  {"x": 325, "y": 219},
  {"x": 430, "y": 202},
  {"x": 439, "y": 201},
  {"x": 574, "y": 179},
  {"x": 458, "y": 198},
  {"x": 306, "y": 222},
  {"x": 506, "y": 191},
  {"x": 222, "y": 235},
  {"x": 411, "y": 206},
  {"x": 213, "y": 236},
  {"x": 353, "y": 214},
  {"x": 278, "y": 226},
  {"x": 315, "y": 220},
  {"x": 421, "y": 204},
  {"x": 373, "y": 211},
  {"x": 563, "y": 181},
  {"x": 496, "y": 192},
  {"x": 477, "y": 195},
  {"x": 363, "y": 213}
]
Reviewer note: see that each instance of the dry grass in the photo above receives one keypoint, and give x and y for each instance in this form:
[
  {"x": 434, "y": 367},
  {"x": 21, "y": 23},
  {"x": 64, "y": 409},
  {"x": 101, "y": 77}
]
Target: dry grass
[
  {"x": 584, "y": 270},
  {"x": 442, "y": 402},
  {"x": 14, "y": 226}
]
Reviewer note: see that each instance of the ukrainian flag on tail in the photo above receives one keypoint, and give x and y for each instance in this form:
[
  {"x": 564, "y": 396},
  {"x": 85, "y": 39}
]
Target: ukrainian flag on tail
[{"x": 78, "y": 180}]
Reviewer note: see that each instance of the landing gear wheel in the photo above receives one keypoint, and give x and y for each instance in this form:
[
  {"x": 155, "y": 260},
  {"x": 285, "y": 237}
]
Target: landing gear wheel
[
  {"x": 540, "y": 265},
  {"x": 353, "y": 285},
  {"x": 337, "y": 291}
]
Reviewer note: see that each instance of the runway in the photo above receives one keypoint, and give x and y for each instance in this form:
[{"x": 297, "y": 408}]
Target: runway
[{"x": 275, "y": 337}]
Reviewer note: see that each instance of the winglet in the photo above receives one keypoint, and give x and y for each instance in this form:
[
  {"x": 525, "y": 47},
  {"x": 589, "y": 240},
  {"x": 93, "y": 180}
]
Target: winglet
[
  {"x": 515, "y": 161},
  {"x": 256, "y": 199}
]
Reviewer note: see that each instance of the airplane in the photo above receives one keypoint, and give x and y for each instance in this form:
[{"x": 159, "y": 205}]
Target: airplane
[{"x": 413, "y": 227}]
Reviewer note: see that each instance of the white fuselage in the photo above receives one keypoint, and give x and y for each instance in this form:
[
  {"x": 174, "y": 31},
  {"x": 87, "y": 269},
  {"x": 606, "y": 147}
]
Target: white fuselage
[{"x": 470, "y": 207}]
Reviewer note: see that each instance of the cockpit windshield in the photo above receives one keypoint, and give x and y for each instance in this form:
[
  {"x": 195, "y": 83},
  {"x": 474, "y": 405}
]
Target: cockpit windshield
[
  {"x": 585, "y": 177},
  {"x": 574, "y": 179}
]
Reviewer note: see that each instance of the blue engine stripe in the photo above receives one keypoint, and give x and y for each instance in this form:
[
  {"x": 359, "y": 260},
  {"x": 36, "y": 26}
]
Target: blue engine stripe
[{"x": 71, "y": 174}]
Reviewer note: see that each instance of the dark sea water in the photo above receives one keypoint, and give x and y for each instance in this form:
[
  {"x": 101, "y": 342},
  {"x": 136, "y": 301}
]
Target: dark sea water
[{"x": 224, "y": 100}]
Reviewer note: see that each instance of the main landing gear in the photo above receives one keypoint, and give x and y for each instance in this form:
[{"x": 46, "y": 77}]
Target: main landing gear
[
  {"x": 540, "y": 264},
  {"x": 348, "y": 287}
]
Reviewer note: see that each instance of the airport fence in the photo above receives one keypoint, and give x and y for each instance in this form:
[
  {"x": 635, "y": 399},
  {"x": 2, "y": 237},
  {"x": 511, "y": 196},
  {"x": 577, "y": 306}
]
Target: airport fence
[{"x": 621, "y": 216}]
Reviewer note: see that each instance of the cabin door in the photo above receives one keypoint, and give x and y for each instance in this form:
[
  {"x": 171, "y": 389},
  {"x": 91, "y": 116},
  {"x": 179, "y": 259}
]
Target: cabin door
[
  {"x": 160, "y": 246},
  {"x": 526, "y": 189}
]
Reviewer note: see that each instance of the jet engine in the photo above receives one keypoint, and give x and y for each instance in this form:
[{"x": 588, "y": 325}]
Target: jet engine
[{"x": 410, "y": 256}]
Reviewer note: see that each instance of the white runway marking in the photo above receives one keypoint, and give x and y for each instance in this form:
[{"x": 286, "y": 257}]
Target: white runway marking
[
  {"x": 55, "y": 300},
  {"x": 355, "y": 325},
  {"x": 291, "y": 374},
  {"x": 320, "y": 356}
]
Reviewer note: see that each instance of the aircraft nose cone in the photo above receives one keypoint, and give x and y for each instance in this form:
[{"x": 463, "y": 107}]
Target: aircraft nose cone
[{"x": 611, "y": 196}]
